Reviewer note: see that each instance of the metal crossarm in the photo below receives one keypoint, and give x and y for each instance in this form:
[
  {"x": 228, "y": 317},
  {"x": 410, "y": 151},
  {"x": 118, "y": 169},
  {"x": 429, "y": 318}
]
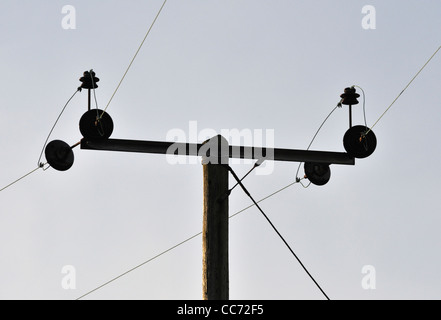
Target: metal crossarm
[{"x": 196, "y": 149}]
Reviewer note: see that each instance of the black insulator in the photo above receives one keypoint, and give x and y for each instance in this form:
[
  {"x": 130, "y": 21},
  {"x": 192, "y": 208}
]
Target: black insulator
[
  {"x": 96, "y": 124},
  {"x": 318, "y": 173},
  {"x": 349, "y": 97},
  {"x": 89, "y": 81},
  {"x": 59, "y": 155},
  {"x": 359, "y": 142}
]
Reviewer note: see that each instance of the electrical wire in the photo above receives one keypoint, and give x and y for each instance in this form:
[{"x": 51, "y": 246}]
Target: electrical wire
[
  {"x": 275, "y": 229},
  {"x": 93, "y": 88},
  {"x": 265, "y": 198},
  {"x": 41, "y": 165},
  {"x": 134, "y": 57},
  {"x": 312, "y": 140},
  {"x": 364, "y": 104},
  {"x": 53, "y": 127},
  {"x": 138, "y": 266},
  {"x": 393, "y": 102}
]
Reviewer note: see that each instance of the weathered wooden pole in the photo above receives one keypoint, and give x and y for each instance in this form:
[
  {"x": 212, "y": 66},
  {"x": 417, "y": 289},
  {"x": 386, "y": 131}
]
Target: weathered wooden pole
[{"x": 215, "y": 279}]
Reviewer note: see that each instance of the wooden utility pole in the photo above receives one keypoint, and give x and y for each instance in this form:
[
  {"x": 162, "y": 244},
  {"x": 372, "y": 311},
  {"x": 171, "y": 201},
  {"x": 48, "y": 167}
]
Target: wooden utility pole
[{"x": 215, "y": 279}]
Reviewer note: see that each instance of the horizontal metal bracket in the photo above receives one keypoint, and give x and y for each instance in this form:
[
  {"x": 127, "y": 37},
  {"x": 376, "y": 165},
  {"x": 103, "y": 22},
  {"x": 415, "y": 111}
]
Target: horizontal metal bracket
[{"x": 199, "y": 149}]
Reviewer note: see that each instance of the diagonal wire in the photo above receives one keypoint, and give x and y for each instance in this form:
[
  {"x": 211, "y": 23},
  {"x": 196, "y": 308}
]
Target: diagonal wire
[
  {"x": 53, "y": 127},
  {"x": 393, "y": 102},
  {"x": 41, "y": 165},
  {"x": 313, "y": 138},
  {"x": 134, "y": 57},
  {"x": 138, "y": 266},
  {"x": 275, "y": 229},
  {"x": 263, "y": 199}
]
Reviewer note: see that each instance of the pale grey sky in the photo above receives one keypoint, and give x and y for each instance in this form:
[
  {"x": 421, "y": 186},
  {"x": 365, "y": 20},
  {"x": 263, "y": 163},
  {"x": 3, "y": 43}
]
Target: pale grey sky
[{"x": 253, "y": 65}]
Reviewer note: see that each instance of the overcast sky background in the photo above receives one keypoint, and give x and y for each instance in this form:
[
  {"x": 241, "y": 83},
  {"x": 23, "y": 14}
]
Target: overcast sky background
[{"x": 249, "y": 64}]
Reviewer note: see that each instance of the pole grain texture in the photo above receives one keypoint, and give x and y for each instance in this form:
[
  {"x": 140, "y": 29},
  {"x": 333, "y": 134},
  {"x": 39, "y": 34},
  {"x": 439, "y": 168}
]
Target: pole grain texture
[{"x": 215, "y": 271}]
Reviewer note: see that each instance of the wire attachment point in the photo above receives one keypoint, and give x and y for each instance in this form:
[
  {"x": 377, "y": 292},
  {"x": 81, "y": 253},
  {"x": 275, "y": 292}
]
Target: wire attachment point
[{"x": 359, "y": 142}]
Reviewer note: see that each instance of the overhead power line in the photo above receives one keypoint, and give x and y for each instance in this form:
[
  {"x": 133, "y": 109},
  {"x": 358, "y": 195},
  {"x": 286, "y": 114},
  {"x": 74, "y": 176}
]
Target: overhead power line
[
  {"x": 313, "y": 138},
  {"x": 134, "y": 57},
  {"x": 27, "y": 174},
  {"x": 405, "y": 88},
  {"x": 56, "y": 121},
  {"x": 138, "y": 266}
]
